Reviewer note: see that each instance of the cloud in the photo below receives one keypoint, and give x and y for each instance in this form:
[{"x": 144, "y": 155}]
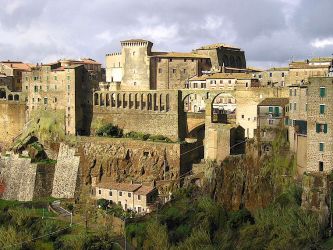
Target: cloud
[
  {"x": 270, "y": 31},
  {"x": 323, "y": 43}
]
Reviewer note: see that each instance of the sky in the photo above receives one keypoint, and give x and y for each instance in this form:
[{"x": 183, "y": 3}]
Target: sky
[{"x": 271, "y": 32}]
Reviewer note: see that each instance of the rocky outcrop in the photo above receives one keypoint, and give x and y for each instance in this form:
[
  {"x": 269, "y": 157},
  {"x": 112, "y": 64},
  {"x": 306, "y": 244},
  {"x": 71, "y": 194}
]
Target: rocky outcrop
[
  {"x": 125, "y": 160},
  {"x": 316, "y": 195}
]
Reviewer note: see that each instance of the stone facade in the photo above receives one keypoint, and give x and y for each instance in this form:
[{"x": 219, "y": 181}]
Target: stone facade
[
  {"x": 320, "y": 124},
  {"x": 14, "y": 70},
  {"x": 12, "y": 120},
  {"x": 65, "y": 85},
  {"x": 275, "y": 77},
  {"x": 150, "y": 112},
  {"x": 138, "y": 68}
]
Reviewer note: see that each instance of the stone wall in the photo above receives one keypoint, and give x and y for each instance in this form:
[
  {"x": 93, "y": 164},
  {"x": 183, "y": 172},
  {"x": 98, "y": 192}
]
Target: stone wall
[
  {"x": 44, "y": 180},
  {"x": 66, "y": 173},
  {"x": 19, "y": 176},
  {"x": 12, "y": 119},
  {"x": 150, "y": 112}
]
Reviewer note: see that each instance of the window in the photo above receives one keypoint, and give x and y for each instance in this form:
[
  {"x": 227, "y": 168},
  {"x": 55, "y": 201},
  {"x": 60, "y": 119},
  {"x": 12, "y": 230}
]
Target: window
[
  {"x": 55, "y": 77},
  {"x": 270, "y": 74},
  {"x": 270, "y": 122},
  {"x": 120, "y": 193},
  {"x": 295, "y": 106},
  {"x": 185, "y": 60},
  {"x": 36, "y": 89},
  {"x": 290, "y": 92},
  {"x": 282, "y": 74},
  {"x": 229, "y": 81},
  {"x": 99, "y": 191},
  {"x": 321, "y": 128},
  {"x": 170, "y": 60},
  {"x": 139, "y": 209},
  {"x": 174, "y": 71},
  {"x": 45, "y": 100},
  {"x": 203, "y": 85},
  {"x": 322, "y": 91},
  {"x": 110, "y": 193},
  {"x": 322, "y": 109},
  {"x": 270, "y": 109},
  {"x": 68, "y": 77},
  {"x": 295, "y": 92},
  {"x": 321, "y": 147},
  {"x": 184, "y": 71},
  {"x": 243, "y": 116},
  {"x": 139, "y": 197},
  {"x": 129, "y": 195},
  {"x": 133, "y": 53},
  {"x": 195, "y": 85},
  {"x": 321, "y": 166}
]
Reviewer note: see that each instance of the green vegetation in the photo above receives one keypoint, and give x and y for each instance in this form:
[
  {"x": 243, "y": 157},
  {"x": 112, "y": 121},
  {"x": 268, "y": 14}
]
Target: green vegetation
[
  {"x": 194, "y": 221},
  {"x": 109, "y": 130},
  {"x": 145, "y": 137},
  {"x": 22, "y": 226}
]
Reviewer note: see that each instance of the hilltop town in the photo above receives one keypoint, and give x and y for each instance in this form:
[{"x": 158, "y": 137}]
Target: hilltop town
[{"x": 150, "y": 123}]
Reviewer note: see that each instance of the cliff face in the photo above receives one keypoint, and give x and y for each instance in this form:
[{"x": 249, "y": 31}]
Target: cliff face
[
  {"x": 124, "y": 160},
  {"x": 237, "y": 184}
]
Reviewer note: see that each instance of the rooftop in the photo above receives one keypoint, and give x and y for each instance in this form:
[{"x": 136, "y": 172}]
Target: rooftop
[
  {"x": 135, "y": 41},
  {"x": 216, "y": 46},
  {"x": 127, "y": 187},
  {"x": 274, "y": 102},
  {"x": 278, "y": 69},
  {"x": 18, "y": 65},
  {"x": 199, "y": 78},
  {"x": 230, "y": 76}
]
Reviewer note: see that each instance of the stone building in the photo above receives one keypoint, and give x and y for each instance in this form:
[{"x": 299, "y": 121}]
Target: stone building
[
  {"x": 276, "y": 76},
  {"x": 300, "y": 71},
  {"x": 137, "y": 67},
  {"x": 272, "y": 116},
  {"x": 320, "y": 124},
  {"x": 129, "y": 196},
  {"x": 66, "y": 85},
  {"x": 11, "y": 74}
]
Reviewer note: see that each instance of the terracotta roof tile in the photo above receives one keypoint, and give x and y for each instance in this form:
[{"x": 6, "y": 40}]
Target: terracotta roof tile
[{"x": 274, "y": 102}]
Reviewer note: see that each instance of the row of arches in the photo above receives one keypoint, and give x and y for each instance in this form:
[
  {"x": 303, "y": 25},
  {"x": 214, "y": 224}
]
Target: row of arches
[
  {"x": 231, "y": 61},
  {"x": 137, "y": 101},
  {"x": 9, "y": 97}
]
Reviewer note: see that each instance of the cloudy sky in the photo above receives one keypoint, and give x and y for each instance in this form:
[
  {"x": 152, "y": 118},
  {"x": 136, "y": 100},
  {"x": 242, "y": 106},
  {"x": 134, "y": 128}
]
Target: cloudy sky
[{"x": 271, "y": 32}]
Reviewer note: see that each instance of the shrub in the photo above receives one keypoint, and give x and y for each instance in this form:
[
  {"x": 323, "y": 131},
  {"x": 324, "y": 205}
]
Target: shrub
[
  {"x": 102, "y": 203},
  {"x": 110, "y": 130}
]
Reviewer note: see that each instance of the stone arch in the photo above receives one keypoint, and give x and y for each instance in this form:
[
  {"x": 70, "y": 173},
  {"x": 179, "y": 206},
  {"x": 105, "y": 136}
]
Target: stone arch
[
  {"x": 232, "y": 61},
  {"x": 149, "y": 102},
  {"x": 2, "y": 94},
  {"x": 199, "y": 100},
  {"x": 155, "y": 103},
  {"x": 161, "y": 103},
  {"x": 136, "y": 101},
  {"x": 118, "y": 101},
  {"x": 113, "y": 100},
  {"x": 130, "y": 101},
  {"x": 101, "y": 99},
  {"x": 222, "y": 108},
  {"x": 107, "y": 100},
  {"x": 10, "y": 97},
  {"x": 238, "y": 62},
  {"x": 226, "y": 60},
  {"x": 124, "y": 101},
  {"x": 96, "y": 99},
  {"x": 142, "y": 102},
  {"x": 167, "y": 102},
  {"x": 16, "y": 97}
]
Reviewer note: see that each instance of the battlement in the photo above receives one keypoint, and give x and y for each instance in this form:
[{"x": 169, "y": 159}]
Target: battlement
[
  {"x": 136, "y": 42},
  {"x": 114, "y": 54}
]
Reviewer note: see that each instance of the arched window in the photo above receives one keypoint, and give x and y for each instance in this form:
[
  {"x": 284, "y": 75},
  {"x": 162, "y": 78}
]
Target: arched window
[
  {"x": 96, "y": 97},
  {"x": 150, "y": 102},
  {"x": 10, "y": 97},
  {"x": 107, "y": 99},
  {"x": 113, "y": 100},
  {"x": 167, "y": 103},
  {"x": 16, "y": 97},
  {"x": 155, "y": 104},
  {"x": 232, "y": 62}
]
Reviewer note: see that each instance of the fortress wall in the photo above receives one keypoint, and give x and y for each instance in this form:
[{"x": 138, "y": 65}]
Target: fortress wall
[
  {"x": 66, "y": 172},
  {"x": 12, "y": 119},
  {"x": 150, "y": 112}
]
